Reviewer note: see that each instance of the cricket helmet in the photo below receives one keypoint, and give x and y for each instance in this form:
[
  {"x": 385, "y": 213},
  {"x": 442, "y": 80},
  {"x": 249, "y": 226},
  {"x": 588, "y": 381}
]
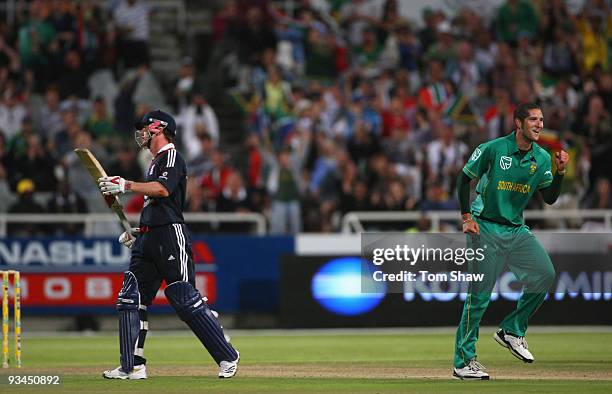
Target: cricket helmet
[{"x": 166, "y": 120}]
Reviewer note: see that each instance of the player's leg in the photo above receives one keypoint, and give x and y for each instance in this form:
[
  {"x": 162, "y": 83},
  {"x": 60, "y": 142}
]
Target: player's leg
[
  {"x": 137, "y": 292},
  {"x": 149, "y": 281},
  {"x": 179, "y": 272},
  {"x": 532, "y": 266},
  {"x": 476, "y": 302}
]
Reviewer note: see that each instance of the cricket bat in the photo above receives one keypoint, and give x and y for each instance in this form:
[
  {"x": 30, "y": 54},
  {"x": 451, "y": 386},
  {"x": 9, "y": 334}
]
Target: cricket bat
[{"x": 96, "y": 171}]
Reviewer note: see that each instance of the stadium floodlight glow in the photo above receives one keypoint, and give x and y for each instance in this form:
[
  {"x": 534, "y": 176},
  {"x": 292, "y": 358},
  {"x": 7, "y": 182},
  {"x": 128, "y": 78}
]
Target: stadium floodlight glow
[{"x": 337, "y": 288}]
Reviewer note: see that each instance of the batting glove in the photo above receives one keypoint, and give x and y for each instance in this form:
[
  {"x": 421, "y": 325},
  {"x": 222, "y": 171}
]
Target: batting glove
[
  {"x": 111, "y": 185},
  {"x": 127, "y": 238}
]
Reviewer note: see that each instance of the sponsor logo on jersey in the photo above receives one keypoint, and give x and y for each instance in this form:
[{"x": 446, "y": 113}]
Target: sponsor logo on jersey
[
  {"x": 476, "y": 154},
  {"x": 513, "y": 187}
]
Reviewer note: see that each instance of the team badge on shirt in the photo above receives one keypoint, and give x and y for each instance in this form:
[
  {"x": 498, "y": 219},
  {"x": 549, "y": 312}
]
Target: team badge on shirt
[
  {"x": 533, "y": 167},
  {"x": 505, "y": 162}
]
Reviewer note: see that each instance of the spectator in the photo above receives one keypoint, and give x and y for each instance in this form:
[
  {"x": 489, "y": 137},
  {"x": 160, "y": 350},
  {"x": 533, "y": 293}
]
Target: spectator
[
  {"x": 12, "y": 112},
  {"x": 396, "y": 198},
  {"x": 73, "y": 79},
  {"x": 366, "y": 55},
  {"x": 376, "y": 124},
  {"x": 389, "y": 21},
  {"x": 196, "y": 120},
  {"x": 47, "y": 117},
  {"x": 445, "y": 156},
  {"x": 277, "y": 95},
  {"x": 436, "y": 94},
  {"x": 362, "y": 145},
  {"x": 463, "y": 70},
  {"x": 9, "y": 58},
  {"x": 498, "y": 118},
  {"x": 36, "y": 164},
  {"x": 225, "y": 22},
  {"x": 402, "y": 49},
  {"x": 132, "y": 24},
  {"x": 286, "y": 187},
  {"x": 592, "y": 33},
  {"x": 428, "y": 34},
  {"x": 485, "y": 52},
  {"x": 234, "y": 197},
  {"x": 64, "y": 200},
  {"x": 35, "y": 37},
  {"x": 78, "y": 175},
  {"x": 63, "y": 141},
  {"x": 605, "y": 90},
  {"x": 25, "y": 204},
  {"x": 437, "y": 199},
  {"x": 600, "y": 197},
  {"x": 125, "y": 165},
  {"x": 202, "y": 163},
  {"x": 100, "y": 123},
  {"x": 214, "y": 181},
  {"x": 357, "y": 16},
  {"x": 18, "y": 145},
  {"x": 320, "y": 56},
  {"x": 137, "y": 88},
  {"x": 63, "y": 20},
  {"x": 559, "y": 55},
  {"x": 6, "y": 197},
  {"x": 184, "y": 85},
  {"x": 514, "y": 17},
  {"x": 444, "y": 48},
  {"x": 355, "y": 197},
  {"x": 255, "y": 35}
]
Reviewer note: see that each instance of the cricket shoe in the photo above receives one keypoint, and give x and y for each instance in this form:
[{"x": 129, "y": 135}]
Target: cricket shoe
[
  {"x": 472, "y": 371},
  {"x": 517, "y": 345},
  {"x": 139, "y": 372},
  {"x": 227, "y": 369}
]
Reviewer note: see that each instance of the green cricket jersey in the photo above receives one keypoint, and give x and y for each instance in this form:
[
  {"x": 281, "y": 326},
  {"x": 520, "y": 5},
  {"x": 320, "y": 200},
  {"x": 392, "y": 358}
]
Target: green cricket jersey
[{"x": 508, "y": 178}]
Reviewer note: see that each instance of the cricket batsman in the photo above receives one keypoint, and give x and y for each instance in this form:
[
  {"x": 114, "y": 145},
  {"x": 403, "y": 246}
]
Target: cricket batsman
[
  {"x": 510, "y": 170},
  {"x": 161, "y": 250}
]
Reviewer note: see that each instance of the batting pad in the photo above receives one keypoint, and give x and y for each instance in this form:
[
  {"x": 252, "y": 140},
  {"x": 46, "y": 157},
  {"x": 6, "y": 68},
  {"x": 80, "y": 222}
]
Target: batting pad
[
  {"x": 128, "y": 301},
  {"x": 193, "y": 310}
]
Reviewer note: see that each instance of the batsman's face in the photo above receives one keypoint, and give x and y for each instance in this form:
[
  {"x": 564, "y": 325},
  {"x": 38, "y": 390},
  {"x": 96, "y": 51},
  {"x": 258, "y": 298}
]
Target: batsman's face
[
  {"x": 533, "y": 124},
  {"x": 142, "y": 136},
  {"x": 147, "y": 133}
]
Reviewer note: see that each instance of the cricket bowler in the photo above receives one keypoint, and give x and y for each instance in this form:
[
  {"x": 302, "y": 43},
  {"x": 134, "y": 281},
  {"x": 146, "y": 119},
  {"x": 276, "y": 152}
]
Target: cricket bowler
[
  {"x": 510, "y": 170},
  {"x": 161, "y": 250}
]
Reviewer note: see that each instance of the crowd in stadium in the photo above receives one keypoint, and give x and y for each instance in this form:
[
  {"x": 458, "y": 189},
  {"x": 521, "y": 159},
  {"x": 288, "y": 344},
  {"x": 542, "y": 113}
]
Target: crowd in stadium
[{"x": 348, "y": 105}]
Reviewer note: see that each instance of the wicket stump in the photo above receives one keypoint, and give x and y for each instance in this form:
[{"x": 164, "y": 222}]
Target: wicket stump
[{"x": 6, "y": 317}]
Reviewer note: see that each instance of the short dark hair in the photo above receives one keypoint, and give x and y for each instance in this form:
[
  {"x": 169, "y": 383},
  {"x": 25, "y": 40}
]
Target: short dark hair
[{"x": 522, "y": 111}]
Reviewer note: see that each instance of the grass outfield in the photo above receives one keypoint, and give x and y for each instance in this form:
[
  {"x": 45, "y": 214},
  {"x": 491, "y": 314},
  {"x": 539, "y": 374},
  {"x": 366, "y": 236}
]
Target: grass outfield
[{"x": 380, "y": 362}]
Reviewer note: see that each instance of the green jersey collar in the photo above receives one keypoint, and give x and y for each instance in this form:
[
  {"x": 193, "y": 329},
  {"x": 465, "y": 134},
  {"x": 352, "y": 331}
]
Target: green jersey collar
[{"x": 513, "y": 147}]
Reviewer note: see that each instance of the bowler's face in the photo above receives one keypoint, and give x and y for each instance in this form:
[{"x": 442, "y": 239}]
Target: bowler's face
[{"x": 533, "y": 125}]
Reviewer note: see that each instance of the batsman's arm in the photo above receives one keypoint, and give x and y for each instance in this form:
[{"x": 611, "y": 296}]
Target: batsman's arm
[
  {"x": 151, "y": 189},
  {"x": 112, "y": 185}
]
